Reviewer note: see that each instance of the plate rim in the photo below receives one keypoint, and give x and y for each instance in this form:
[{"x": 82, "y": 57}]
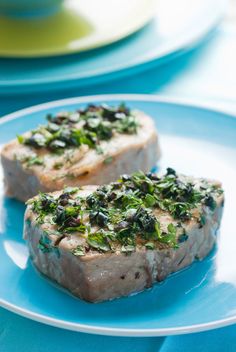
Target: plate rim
[
  {"x": 138, "y": 64},
  {"x": 211, "y": 106},
  {"x": 103, "y": 330}
]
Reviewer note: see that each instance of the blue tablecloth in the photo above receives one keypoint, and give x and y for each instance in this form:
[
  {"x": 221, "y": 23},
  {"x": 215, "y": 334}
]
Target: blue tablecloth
[{"x": 207, "y": 74}]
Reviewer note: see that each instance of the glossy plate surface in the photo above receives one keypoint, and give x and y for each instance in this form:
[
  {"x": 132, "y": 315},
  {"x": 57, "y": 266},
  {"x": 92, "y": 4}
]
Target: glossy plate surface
[
  {"x": 195, "y": 141},
  {"x": 76, "y": 26},
  {"x": 177, "y": 27}
]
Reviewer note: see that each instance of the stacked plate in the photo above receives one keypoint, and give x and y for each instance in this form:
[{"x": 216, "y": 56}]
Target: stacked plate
[{"x": 69, "y": 48}]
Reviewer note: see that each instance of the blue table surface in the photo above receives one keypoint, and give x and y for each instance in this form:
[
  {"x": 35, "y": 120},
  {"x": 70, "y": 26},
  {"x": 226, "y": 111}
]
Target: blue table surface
[{"x": 206, "y": 74}]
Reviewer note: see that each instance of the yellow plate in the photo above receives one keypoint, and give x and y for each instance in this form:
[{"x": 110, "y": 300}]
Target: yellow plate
[{"x": 80, "y": 25}]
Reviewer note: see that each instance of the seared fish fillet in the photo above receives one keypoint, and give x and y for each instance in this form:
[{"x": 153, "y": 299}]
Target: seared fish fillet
[
  {"x": 104, "y": 242},
  {"x": 91, "y": 146}
]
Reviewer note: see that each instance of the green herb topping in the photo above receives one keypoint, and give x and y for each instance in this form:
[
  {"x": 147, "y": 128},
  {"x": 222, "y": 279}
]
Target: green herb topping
[
  {"x": 129, "y": 213},
  {"x": 87, "y": 126}
]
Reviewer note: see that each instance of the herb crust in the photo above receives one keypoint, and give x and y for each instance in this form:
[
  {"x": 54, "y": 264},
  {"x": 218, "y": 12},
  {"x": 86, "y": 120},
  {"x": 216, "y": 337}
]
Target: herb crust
[{"x": 139, "y": 210}]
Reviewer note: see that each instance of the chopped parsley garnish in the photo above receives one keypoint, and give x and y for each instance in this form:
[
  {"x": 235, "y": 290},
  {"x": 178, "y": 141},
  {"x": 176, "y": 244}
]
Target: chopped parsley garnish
[
  {"x": 30, "y": 160},
  {"x": 108, "y": 160},
  {"x": 99, "y": 241},
  {"x": 45, "y": 244},
  {"x": 20, "y": 139},
  {"x": 78, "y": 251},
  {"x": 129, "y": 213}
]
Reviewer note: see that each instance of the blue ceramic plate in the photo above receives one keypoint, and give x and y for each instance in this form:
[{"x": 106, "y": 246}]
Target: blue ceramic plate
[
  {"x": 195, "y": 141},
  {"x": 177, "y": 26}
]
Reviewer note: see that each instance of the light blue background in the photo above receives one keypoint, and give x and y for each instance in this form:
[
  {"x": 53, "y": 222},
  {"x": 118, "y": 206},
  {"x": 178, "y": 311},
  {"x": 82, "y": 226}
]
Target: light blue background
[{"x": 206, "y": 74}]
